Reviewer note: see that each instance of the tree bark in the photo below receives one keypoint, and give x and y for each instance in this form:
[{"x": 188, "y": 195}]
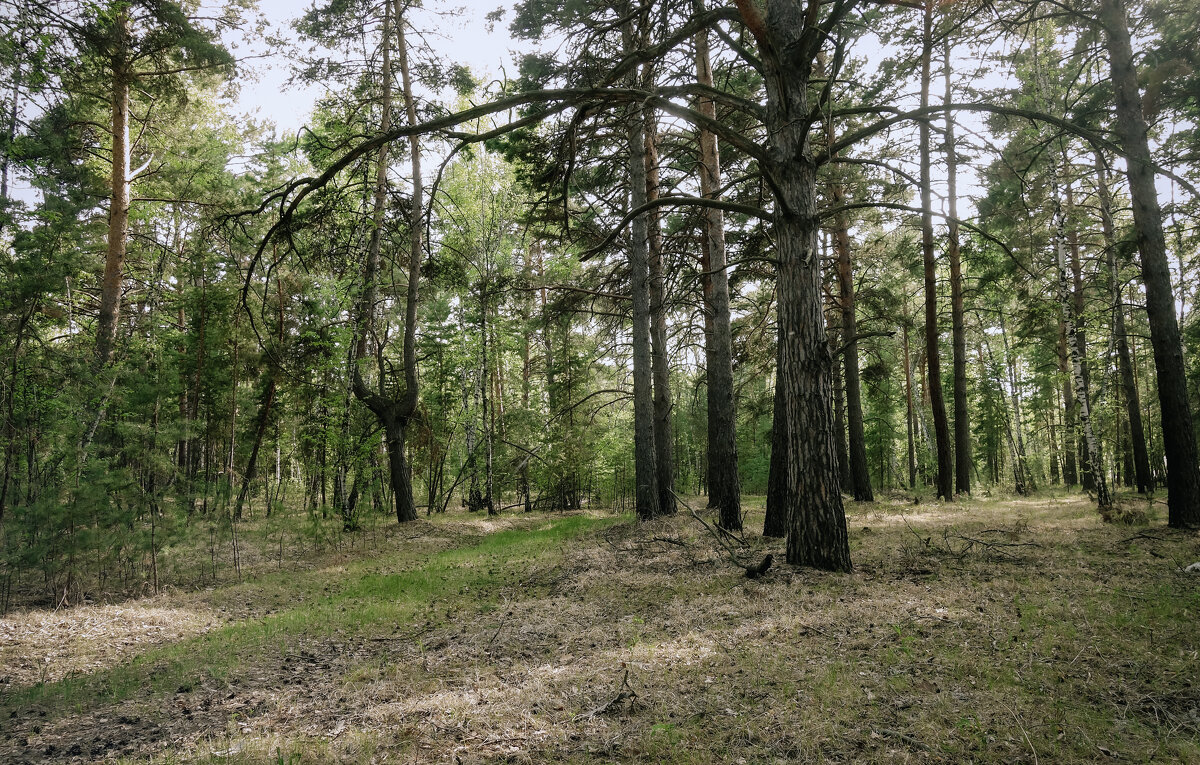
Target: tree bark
[
  {"x": 664, "y": 442},
  {"x": 962, "y": 416},
  {"x": 645, "y": 454},
  {"x": 788, "y": 39},
  {"x": 860, "y": 474},
  {"x": 1103, "y": 499},
  {"x": 1179, "y": 440},
  {"x": 1133, "y": 405},
  {"x": 118, "y": 210},
  {"x": 941, "y": 426},
  {"x": 724, "y": 483},
  {"x": 1078, "y": 308}
]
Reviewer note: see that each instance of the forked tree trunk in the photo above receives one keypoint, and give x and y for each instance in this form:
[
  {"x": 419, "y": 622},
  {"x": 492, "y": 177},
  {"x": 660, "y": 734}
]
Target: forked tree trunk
[
  {"x": 1179, "y": 439},
  {"x": 394, "y": 411},
  {"x": 724, "y": 485}
]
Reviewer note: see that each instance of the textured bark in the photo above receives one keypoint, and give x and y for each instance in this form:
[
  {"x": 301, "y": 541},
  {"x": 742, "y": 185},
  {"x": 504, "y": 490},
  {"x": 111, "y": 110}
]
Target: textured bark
[
  {"x": 664, "y": 441},
  {"x": 941, "y": 426},
  {"x": 1179, "y": 439},
  {"x": 788, "y": 39},
  {"x": 1075, "y": 351},
  {"x": 962, "y": 416},
  {"x": 1133, "y": 406},
  {"x": 118, "y": 210},
  {"x": 839, "y": 403},
  {"x": 724, "y": 484},
  {"x": 644, "y": 453}
]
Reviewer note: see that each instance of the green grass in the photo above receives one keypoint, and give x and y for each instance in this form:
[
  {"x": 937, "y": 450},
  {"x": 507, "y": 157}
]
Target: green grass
[{"x": 357, "y": 600}]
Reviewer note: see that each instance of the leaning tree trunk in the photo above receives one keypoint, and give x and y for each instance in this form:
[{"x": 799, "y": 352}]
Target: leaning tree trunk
[
  {"x": 945, "y": 458},
  {"x": 118, "y": 211},
  {"x": 1133, "y": 403},
  {"x": 962, "y": 416},
  {"x": 1103, "y": 499},
  {"x": 1179, "y": 440},
  {"x": 645, "y": 456},
  {"x": 724, "y": 485}
]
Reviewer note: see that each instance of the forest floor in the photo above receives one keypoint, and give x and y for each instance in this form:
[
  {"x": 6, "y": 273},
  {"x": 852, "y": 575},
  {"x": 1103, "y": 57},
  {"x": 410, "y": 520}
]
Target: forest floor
[{"x": 992, "y": 630}]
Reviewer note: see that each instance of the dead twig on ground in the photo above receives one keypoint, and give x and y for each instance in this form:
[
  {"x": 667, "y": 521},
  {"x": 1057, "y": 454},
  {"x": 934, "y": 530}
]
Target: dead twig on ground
[{"x": 624, "y": 691}]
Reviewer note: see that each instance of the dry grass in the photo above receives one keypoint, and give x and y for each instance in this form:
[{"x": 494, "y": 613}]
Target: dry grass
[
  {"x": 988, "y": 631},
  {"x": 47, "y": 646}
]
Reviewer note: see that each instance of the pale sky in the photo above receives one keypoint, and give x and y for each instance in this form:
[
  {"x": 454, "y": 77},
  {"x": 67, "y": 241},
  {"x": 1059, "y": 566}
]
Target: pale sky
[{"x": 459, "y": 32}]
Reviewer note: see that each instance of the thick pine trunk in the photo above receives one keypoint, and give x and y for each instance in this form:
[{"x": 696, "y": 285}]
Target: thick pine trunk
[
  {"x": 817, "y": 521},
  {"x": 724, "y": 484},
  {"x": 941, "y": 426},
  {"x": 1179, "y": 439}
]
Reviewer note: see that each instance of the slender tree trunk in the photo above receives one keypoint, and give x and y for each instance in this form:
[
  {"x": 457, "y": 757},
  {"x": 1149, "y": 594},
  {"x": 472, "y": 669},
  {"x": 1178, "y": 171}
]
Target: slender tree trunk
[
  {"x": 645, "y": 452},
  {"x": 941, "y": 426},
  {"x": 1179, "y": 440},
  {"x": 1133, "y": 405},
  {"x": 664, "y": 442},
  {"x": 1103, "y": 499},
  {"x": 909, "y": 413},
  {"x": 1069, "y": 439},
  {"x": 118, "y": 211},
  {"x": 860, "y": 474},
  {"x": 832, "y": 319},
  {"x": 724, "y": 484},
  {"x": 777, "y": 522},
  {"x": 1078, "y": 308},
  {"x": 264, "y": 418},
  {"x": 962, "y": 416}
]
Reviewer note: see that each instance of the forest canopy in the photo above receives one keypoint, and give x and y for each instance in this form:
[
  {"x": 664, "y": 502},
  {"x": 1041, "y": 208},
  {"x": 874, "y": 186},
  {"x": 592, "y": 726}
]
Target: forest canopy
[{"x": 684, "y": 253}]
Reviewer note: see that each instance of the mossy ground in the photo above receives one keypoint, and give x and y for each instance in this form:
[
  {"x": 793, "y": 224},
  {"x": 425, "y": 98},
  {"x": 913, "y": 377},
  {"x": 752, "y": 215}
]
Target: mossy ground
[{"x": 993, "y": 630}]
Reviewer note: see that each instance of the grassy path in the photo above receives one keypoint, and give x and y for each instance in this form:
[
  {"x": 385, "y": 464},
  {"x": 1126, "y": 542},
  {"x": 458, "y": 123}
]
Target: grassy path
[{"x": 988, "y": 631}]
